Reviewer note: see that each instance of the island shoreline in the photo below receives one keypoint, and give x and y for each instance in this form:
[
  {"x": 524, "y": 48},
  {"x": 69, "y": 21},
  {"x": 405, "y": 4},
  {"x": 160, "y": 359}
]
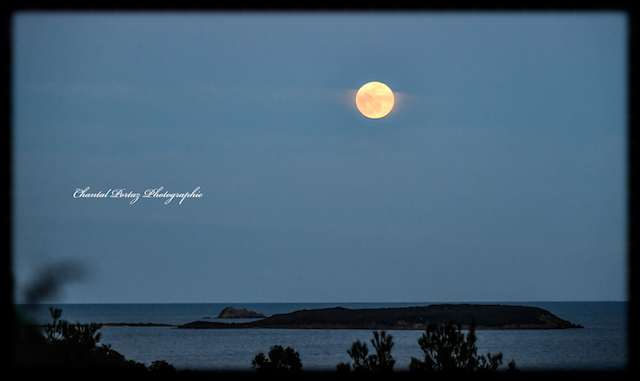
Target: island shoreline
[{"x": 486, "y": 317}]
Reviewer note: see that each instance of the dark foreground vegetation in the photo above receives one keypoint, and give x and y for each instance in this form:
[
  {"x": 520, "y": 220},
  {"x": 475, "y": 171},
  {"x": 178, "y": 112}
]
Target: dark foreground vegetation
[
  {"x": 445, "y": 348},
  {"x": 61, "y": 345}
]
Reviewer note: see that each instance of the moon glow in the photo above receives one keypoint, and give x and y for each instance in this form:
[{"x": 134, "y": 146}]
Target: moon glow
[{"x": 375, "y": 100}]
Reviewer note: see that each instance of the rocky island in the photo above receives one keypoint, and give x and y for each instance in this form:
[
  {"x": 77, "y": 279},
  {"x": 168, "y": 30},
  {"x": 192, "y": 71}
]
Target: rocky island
[
  {"x": 409, "y": 318},
  {"x": 232, "y": 313}
]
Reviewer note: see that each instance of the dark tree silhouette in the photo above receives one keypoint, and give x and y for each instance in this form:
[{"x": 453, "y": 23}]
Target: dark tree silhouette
[
  {"x": 67, "y": 345},
  {"x": 162, "y": 366},
  {"x": 358, "y": 354},
  {"x": 382, "y": 361},
  {"x": 363, "y": 362},
  {"x": 280, "y": 360},
  {"x": 447, "y": 349},
  {"x": 75, "y": 346}
]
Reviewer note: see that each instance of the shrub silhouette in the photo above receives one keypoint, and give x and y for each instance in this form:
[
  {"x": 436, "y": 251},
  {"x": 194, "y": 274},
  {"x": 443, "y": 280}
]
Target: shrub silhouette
[
  {"x": 279, "y": 361},
  {"x": 162, "y": 366},
  {"x": 358, "y": 354},
  {"x": 447, "y": 349},
  {"x": 66, "y": 345},
  {"x": 363, "y": 362}
]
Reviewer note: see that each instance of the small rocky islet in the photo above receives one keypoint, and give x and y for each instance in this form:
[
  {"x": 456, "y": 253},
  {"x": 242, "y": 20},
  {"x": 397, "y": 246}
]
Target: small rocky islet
[
  {"x": 406, "y": 318},
  {"x": 232, "y": 313}
]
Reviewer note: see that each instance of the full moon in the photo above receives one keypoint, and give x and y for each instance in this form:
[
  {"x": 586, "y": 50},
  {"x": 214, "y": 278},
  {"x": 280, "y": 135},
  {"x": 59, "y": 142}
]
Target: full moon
[{"x": 375, "y": 100}]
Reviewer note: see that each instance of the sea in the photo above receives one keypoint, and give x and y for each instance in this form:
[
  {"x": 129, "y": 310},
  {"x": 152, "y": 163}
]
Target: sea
[{"x": 602, "y": 344}]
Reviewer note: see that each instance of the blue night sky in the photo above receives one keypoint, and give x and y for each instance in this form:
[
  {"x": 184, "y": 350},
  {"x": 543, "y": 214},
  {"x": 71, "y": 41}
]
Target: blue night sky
[{"x": 500, "y": 174}]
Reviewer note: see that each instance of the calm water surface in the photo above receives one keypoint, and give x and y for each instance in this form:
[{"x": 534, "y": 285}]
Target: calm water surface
[{"x": 601, "y": 345}]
